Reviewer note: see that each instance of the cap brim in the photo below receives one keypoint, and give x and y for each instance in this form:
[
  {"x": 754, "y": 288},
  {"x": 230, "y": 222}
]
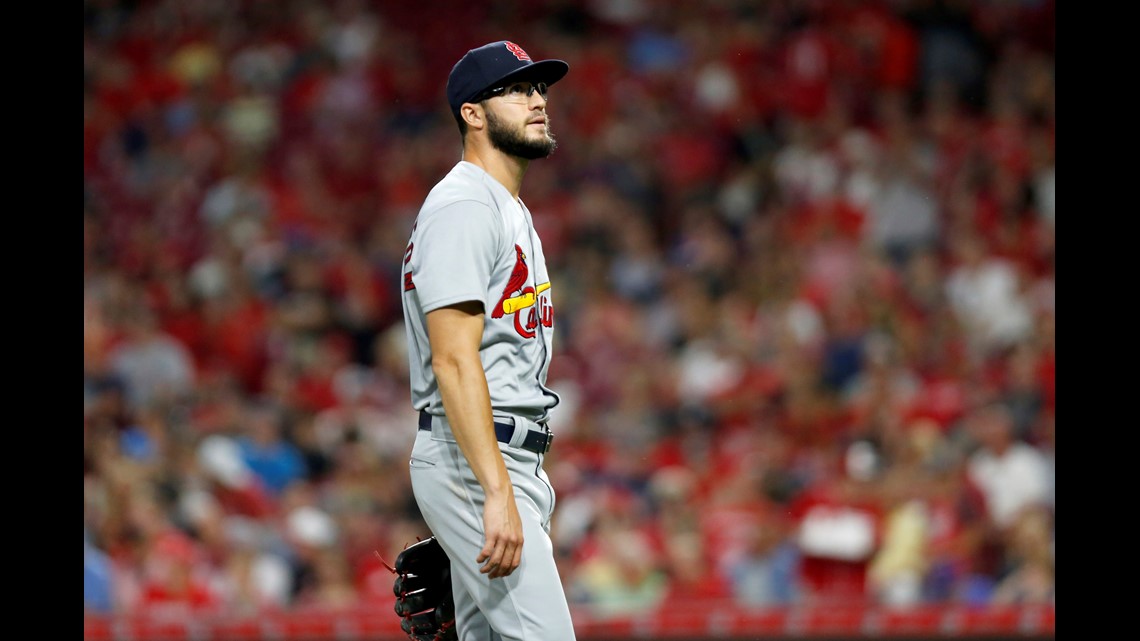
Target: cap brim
[{"x": 548, "y": 71}]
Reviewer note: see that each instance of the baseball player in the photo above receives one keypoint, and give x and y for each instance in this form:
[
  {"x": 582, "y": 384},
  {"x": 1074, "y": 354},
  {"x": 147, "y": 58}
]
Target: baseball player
[{"x": 479, "y": 318}]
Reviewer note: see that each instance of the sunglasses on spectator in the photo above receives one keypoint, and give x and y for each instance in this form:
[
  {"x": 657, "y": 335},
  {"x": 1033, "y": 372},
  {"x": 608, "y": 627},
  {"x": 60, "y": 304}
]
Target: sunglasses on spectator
[{"x": 519, "y": 92}]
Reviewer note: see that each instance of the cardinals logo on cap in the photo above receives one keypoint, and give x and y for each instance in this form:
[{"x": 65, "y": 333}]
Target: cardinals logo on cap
[{"x": 517, "y": 50}]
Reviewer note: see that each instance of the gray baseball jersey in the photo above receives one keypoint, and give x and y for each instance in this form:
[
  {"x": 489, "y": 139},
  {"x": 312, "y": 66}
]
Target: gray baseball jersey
[{"x": 473, "y": 241}]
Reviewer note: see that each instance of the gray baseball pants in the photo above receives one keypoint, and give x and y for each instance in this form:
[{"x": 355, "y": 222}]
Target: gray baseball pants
[{"x": 528, "y": 605}]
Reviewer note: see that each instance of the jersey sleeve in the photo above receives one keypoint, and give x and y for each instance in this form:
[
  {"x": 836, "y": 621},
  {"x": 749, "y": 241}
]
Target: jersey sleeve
[{"x": 454, "y": 254}]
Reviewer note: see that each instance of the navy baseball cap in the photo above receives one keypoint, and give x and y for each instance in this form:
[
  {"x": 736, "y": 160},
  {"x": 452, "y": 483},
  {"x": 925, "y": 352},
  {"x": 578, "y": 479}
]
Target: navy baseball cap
[{"x": 495, "y": 64}]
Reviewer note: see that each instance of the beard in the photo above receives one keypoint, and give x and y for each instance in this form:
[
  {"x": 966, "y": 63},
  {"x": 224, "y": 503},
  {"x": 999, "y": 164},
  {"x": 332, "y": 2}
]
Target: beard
[{"x": 514, "y": 142}]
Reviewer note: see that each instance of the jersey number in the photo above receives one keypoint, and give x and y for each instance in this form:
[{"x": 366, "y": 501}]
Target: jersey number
[{"x": 408, "y": 284}]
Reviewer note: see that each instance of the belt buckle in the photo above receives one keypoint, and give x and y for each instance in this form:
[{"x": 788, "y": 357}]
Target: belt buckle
[{"x": 549, "y": 441}]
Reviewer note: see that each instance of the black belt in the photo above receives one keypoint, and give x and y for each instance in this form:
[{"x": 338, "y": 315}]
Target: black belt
[{"x": 535, "y": 441}]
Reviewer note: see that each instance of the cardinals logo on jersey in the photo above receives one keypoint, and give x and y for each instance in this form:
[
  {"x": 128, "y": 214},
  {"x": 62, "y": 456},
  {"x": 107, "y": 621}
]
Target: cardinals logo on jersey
[
  {"x": 515, "y": 284},
  {"x": 518, "y": 296}
]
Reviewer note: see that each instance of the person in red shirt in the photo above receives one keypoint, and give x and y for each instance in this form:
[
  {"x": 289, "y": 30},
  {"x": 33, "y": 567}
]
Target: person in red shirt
[
  {"x": 839, "y": 528},
  {"x": 173, "y": 580}
]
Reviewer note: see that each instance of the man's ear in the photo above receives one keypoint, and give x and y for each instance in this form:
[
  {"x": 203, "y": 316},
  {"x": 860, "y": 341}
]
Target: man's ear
[{"x": 473, "y": 115}]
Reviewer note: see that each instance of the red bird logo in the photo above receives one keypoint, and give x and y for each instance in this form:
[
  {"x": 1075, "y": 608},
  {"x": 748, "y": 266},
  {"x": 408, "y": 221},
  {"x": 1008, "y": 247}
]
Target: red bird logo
[{"x": 516, "y": 282}]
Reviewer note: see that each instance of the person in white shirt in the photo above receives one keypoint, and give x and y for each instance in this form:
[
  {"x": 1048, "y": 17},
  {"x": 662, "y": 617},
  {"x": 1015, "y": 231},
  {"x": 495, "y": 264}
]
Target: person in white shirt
[{"x": 1010, "y": 473}]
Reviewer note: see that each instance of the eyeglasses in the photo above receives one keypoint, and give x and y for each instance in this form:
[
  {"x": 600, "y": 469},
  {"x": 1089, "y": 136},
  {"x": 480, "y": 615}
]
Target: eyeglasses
[{"x": 519, "y": 92}]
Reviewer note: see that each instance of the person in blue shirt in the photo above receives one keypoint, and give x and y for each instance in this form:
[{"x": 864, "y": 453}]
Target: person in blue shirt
[
  {"x": 98, "y": 587},
  {"x": 275, "y": 460}
]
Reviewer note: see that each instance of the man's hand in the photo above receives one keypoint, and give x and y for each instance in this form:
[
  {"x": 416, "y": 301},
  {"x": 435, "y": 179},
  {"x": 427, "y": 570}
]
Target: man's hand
[{"x": 502, "y": 527}]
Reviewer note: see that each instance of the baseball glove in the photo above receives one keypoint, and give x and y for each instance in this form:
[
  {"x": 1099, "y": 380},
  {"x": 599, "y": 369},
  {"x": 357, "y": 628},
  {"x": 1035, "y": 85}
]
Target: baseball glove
[{"x": 423, "y": 592}]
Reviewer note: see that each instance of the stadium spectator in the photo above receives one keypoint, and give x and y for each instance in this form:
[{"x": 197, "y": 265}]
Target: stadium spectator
[
  {"x": 1030, "y": 577},
  {"x": 986, "y": 294},
  {"x": 231, "y": 481},
  {"x": 311, "y": 535},
  {"x": 839, "y": 527},
  {"x": 765, "y": 571},
  {"x": 266, "y": 452},
  {"x": 98, "y": 591},
  {"x": 174, "y": 581},
  {"x": 154, "y": 367},
  {"x": 1012, "y": 474},
  {"x": 246, "y": 572},
  {"x": 621, "y": 569}
]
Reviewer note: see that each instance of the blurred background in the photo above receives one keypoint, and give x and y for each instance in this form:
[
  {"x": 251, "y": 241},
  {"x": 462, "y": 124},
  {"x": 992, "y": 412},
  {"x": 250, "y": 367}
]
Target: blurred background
[{"x": 804, "y": 265}]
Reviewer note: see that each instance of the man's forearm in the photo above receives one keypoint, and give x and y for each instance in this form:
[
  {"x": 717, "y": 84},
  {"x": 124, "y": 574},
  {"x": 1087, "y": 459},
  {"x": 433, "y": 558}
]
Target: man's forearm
[{"x": 467, "y": 402}]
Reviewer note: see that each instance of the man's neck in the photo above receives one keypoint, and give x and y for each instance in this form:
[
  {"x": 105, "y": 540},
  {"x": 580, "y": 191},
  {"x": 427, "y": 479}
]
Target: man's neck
[{"x": 508, "y": 170}]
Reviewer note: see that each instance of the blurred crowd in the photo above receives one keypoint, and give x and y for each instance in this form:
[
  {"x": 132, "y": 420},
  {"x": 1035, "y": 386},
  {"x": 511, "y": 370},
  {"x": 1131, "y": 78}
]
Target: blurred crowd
[{"x": 804, "y": 272}]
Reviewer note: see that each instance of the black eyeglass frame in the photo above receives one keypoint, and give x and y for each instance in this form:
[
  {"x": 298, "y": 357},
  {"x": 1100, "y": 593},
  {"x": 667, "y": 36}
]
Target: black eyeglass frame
[{"x": 542, "y": 88}]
